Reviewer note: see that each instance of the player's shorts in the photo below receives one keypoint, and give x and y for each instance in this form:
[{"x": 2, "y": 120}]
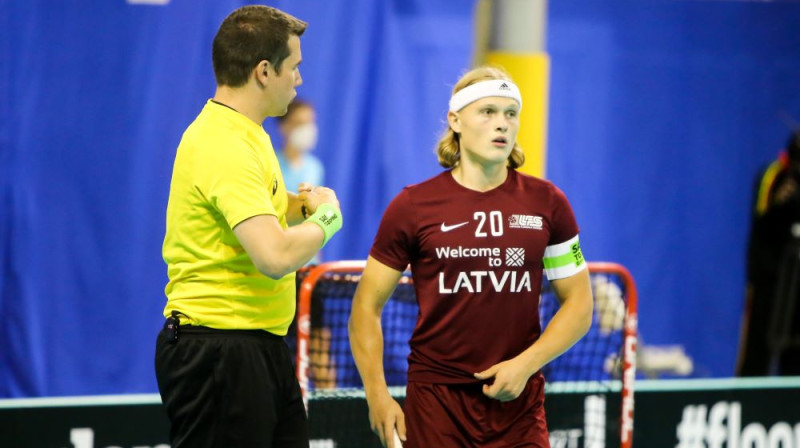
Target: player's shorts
[
  {"x": 230, "y": 389},
  {"x": 460, "y": 415}
]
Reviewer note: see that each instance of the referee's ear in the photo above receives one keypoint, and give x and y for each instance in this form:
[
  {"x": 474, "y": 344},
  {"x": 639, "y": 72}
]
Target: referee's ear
[{"x": 262, "y": 73}]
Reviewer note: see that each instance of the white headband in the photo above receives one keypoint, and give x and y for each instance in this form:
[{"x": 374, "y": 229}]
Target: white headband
[{"x": 483, "y": 89}]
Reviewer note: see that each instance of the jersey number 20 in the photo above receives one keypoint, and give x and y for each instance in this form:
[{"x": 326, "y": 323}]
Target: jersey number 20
[{"x": 495, "y": 223}]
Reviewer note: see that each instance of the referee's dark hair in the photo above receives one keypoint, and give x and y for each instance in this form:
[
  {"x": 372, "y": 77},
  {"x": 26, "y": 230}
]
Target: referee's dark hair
[{"x": 249, "y": 35}]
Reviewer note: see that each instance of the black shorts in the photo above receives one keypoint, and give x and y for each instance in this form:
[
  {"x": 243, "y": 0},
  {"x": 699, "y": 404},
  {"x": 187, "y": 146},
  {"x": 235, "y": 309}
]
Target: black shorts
[{"x": 229, "y": 388}]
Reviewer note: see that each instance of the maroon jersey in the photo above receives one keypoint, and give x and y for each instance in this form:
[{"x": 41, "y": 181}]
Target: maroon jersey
[{"x": 476, "y": 260}]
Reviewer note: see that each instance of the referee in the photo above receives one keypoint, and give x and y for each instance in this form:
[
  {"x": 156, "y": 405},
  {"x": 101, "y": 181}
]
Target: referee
[{"x": 234, "y": 238}]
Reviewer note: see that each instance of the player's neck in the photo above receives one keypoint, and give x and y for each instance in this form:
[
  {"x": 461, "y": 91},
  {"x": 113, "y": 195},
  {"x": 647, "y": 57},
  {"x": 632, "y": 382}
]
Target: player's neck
[
  {"x": 242, "y": 100},
  {"x": 478, "y": 177}
]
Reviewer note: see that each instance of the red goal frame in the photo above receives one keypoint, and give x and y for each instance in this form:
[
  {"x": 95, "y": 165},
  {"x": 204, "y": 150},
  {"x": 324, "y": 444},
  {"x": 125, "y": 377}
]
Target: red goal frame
[{"x": 630, "y": 330}]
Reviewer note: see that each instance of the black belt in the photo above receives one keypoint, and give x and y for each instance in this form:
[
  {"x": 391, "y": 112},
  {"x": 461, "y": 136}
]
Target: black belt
[{"x": 173, "y": 328}]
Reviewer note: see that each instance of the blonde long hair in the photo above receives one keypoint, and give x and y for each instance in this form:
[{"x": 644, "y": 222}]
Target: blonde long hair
[{"x": 449, "y": 148}]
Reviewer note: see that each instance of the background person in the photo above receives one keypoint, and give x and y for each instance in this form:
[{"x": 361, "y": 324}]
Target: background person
[
  {"x": 774, "y": 231},
  {"x": 299, "y": 131},
  {"x": 298, "y": 128}
]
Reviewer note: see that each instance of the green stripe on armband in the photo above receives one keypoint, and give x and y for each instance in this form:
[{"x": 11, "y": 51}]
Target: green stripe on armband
[
  {"x": 329, "y": 218},
  {"x": 564, "y": 259}
]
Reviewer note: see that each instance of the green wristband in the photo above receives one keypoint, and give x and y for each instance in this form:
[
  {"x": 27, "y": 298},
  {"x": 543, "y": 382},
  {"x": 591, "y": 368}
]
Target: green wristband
[{"x": 329, "y": 218}]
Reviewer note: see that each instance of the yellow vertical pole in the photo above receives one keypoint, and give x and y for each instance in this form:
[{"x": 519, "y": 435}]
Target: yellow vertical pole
[{"x": 511, "y": 34}]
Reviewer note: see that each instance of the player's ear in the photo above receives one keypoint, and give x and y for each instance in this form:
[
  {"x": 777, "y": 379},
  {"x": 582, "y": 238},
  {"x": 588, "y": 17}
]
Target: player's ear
[{"x": 454, "y": 121}]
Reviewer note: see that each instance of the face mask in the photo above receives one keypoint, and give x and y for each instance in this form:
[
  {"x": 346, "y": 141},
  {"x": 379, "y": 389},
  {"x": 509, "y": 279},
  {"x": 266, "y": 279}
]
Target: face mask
[{"x": 304, "y": 137}]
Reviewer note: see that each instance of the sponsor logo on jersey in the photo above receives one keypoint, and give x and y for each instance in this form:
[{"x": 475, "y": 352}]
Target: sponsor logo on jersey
[
  {"x": 477, "y": 281},
  {"x": 467, "y": 252},
  {"x": 525, "y": 222},
  {"x": 446, "y": 228},
  {"x": 515, "y": 256}
]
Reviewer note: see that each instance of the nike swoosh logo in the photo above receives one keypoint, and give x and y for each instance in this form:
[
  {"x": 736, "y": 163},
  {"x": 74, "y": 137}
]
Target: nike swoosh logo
[{"x": 454, "y": 226}]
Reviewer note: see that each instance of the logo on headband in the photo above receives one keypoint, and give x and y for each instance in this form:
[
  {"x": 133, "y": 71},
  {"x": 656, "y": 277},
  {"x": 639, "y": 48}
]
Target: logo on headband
[{"x": 483, "y": 89}]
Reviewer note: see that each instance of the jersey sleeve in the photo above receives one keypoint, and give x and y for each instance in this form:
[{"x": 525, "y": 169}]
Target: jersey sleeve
[
  {"x": 562, "y": 257},
  {"x": 395, "y": 240},
  {"x": 235, "y": 183}
]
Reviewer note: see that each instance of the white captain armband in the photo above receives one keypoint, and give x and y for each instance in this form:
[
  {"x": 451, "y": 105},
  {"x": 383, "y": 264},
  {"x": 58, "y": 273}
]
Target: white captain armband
[{"x": 563, "y": 260}]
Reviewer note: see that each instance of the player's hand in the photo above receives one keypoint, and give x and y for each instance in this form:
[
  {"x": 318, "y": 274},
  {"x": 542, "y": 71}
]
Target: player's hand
[
  {"x": 385, "y": 415},
  {"x": 317, "y": 196},
  {"x": 507, "y": 380}
]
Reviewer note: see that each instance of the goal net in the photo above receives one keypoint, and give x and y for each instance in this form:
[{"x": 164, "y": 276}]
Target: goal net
[{"x": 589, "y": 389}]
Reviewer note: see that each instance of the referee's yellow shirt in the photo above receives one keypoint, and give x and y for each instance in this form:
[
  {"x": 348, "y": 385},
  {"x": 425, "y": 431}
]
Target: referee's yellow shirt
[{"x": 225, "y": 172}]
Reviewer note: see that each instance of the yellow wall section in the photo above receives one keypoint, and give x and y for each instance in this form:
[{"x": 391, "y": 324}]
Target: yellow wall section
[{"x": 531, "y": 72}]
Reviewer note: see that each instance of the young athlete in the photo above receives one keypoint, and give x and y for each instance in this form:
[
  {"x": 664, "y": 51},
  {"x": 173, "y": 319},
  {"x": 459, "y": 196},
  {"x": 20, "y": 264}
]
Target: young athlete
[{"x": 477, "y": 238}]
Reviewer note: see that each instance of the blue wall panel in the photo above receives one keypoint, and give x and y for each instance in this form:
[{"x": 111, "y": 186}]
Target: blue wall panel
[{"x": 660, "y": 114}]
